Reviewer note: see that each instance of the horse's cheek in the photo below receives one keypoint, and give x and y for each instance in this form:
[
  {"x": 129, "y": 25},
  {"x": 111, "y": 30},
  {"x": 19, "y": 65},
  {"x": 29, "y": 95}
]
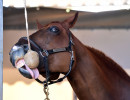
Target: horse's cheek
[{"x": 59, "y": 62}]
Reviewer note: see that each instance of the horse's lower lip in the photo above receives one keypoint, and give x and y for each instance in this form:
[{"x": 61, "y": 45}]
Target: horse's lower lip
[
  {"x": 21, "y": 64},
  {"x": 25, "y": 73}
]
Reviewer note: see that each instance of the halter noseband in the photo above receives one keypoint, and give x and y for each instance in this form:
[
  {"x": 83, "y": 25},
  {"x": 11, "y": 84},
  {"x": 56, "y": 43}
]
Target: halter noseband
[{"x": 52, "y": 51}]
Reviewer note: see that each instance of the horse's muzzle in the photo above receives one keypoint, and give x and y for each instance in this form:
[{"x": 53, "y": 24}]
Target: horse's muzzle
[{"x": 17, "y": 53}]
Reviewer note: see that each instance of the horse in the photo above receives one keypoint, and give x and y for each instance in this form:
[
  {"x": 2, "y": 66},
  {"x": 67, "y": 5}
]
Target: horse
[{"x": 92, "y": 74}]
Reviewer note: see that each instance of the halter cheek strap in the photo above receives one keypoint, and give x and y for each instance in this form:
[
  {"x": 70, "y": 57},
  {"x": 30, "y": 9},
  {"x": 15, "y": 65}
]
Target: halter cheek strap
[
  {"x": 52, "y": 51},
  {"x": 45, "y": 59}
]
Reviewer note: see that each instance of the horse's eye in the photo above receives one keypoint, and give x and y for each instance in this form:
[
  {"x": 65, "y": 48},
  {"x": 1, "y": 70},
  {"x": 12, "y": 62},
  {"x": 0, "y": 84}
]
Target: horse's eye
[{"x": 54, "y": 29}]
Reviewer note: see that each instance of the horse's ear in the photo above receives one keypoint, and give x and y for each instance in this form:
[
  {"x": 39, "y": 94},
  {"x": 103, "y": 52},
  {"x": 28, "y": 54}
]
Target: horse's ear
[
  {"x": 71, "y": 21},
  {"x": 39, "y": 26}
]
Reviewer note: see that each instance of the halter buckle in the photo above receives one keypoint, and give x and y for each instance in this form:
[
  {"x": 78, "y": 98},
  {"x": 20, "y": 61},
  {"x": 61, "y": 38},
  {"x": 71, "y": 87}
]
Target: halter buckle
[{"x": 44, "y": 52}]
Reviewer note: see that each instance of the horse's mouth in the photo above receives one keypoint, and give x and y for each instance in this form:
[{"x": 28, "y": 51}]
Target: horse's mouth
[
  {"x": 32, "y": 73},
  {"x": 25, "y": 70}
]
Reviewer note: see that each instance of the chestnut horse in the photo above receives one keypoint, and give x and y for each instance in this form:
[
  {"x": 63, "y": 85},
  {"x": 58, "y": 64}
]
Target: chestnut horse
[{"x": 93, "y": 76}]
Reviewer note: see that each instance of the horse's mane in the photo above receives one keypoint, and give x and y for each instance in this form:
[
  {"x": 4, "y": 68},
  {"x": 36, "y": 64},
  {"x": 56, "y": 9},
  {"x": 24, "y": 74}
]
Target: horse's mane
[{"x": 113, "y": 66}]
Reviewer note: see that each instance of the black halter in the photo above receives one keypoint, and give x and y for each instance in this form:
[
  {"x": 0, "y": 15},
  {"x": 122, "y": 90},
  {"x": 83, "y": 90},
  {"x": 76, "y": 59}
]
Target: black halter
[{"x": 52, "y": 51}]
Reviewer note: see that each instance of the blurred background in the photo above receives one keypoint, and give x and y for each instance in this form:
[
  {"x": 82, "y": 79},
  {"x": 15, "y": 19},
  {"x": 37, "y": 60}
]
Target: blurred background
[{"x": 102, "y": 24}]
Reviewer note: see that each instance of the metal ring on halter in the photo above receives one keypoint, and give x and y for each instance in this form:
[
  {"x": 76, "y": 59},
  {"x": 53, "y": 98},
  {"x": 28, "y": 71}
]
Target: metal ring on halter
[{"x": 46, "y": 52}]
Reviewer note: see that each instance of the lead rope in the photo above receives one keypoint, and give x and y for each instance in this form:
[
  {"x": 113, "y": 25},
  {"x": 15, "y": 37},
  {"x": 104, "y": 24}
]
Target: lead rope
[
  {"x": 26, "y": 19},
  {"x": 45, "y": 89}
]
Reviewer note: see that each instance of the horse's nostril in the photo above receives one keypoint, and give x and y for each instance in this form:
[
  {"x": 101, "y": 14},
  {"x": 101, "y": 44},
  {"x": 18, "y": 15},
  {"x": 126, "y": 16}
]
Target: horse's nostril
[{"x": 25, "y": 47}]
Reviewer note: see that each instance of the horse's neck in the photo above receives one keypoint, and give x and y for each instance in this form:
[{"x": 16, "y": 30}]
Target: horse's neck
[{"x": 89, "y": 80}]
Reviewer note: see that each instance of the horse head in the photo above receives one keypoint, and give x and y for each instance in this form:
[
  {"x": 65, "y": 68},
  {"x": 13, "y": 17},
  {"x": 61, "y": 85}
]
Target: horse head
[{"x": 52, "y": 41}]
